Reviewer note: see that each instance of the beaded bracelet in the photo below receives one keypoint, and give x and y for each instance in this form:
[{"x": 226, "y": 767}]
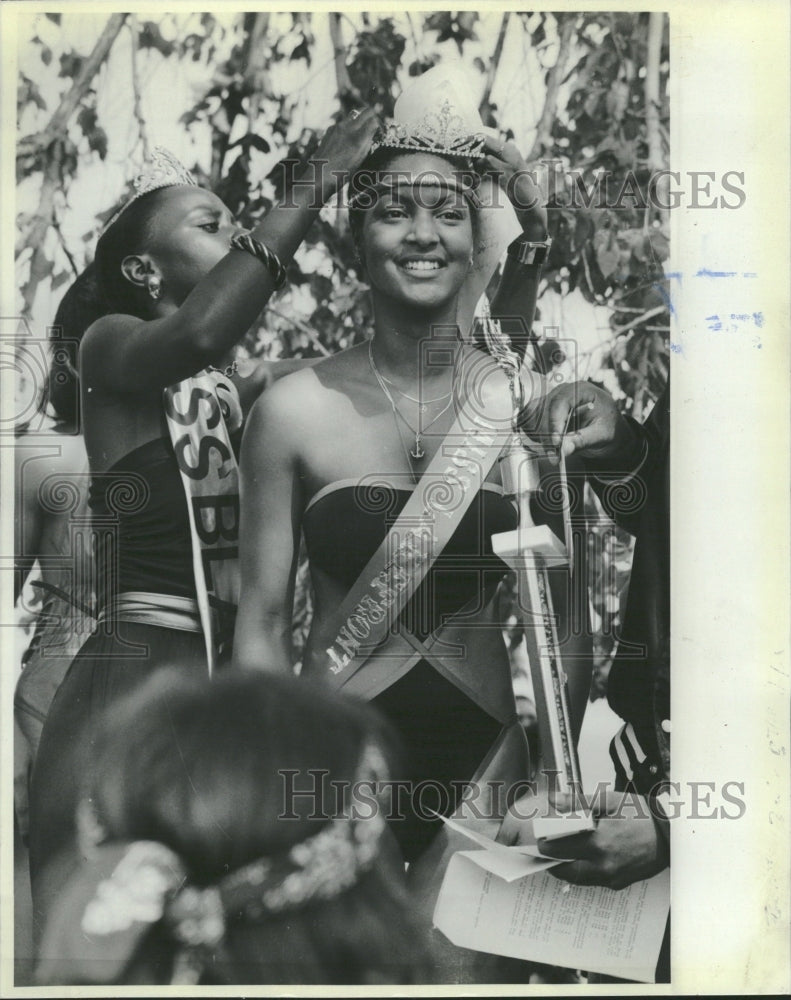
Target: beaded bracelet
[{"x": 270, "y": 260}]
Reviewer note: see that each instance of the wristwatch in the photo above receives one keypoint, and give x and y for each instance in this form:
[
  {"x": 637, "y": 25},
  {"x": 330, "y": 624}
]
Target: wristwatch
[{"x": 528, "y": 252}]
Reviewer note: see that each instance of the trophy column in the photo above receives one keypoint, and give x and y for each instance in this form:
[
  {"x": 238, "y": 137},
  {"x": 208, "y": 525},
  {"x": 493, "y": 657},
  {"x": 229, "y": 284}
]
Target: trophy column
[{"x": 530, "y": 551}]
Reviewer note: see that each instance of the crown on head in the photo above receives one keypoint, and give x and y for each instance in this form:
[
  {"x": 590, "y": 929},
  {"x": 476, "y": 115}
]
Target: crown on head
[
  {"x": 439, "y": 132},
  {"x": 161, "y": 169}
]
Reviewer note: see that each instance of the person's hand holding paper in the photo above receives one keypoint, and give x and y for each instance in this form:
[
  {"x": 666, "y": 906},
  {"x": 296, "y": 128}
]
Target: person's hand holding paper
[
  {"x": 625, "y": 847},
  {"x": 505, "y": 900}
]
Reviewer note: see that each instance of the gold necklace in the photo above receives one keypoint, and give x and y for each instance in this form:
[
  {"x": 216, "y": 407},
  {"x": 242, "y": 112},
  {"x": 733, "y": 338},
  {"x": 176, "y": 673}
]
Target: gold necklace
[
  {"x": 422, "y": 403},
  {"x": 417, "y": 452}
]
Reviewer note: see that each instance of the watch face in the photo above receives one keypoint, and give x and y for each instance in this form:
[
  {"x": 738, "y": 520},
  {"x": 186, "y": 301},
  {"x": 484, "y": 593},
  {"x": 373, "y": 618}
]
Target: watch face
[
  {"x": 527, "y": 252},
  {"x": 530, "y": 254}
]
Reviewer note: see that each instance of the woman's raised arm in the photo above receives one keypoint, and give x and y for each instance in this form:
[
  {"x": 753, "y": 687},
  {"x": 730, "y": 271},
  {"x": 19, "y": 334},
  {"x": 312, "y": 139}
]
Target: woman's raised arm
[
  {"x": 124, "y": 353},
  {"x": 514, "y": 303}
]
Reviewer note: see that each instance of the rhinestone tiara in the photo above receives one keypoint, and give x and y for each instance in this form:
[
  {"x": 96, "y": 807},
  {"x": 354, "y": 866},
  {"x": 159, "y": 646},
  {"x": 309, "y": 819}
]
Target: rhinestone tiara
[
  {"x": 161, "y": 169},
  {"x": 439, "y": 132}
]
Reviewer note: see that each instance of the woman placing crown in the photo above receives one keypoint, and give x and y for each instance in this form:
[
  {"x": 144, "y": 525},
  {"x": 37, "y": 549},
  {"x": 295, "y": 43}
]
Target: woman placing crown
[
  {"x": 179, "y": 285},
  {"x": 385, "y": 457}
]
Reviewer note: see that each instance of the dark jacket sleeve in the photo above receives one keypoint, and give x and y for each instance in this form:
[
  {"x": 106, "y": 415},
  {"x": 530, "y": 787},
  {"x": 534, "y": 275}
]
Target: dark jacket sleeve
[
  {"x": 625, "y": 485},
  {"x": 639, "y": 682}
]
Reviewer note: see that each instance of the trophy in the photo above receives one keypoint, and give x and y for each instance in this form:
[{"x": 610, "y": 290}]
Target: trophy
[{"x": 530, "y": 551}]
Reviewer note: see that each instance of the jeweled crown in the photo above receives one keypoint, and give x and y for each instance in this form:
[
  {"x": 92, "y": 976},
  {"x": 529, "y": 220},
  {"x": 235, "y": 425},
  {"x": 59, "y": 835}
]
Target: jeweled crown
[
  {"x": 161, "y": 169},
  {"x": 441, "y": 131}
]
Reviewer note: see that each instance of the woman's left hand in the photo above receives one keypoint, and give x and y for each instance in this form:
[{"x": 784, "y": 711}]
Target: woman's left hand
[{"x": 519, "y": 183}]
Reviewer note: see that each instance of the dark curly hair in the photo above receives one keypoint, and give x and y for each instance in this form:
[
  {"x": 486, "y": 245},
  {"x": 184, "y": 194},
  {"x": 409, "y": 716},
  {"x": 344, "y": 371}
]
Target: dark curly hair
[{"x": 81, "y": 306}]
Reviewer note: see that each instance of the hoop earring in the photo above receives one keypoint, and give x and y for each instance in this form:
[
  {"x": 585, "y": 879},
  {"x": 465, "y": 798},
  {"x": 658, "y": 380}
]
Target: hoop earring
[{"x": 154, "y": 286}]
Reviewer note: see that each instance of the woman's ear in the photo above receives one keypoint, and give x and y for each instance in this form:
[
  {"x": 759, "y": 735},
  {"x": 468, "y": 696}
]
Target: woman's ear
[{"x": 137, "y": 269}]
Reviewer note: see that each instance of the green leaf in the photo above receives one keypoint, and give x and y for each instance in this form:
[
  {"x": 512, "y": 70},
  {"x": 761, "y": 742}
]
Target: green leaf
[
  {"x": 301, "y": 51},
  {"x": 97, "y": 141},
  {"x": 150, "y": 37},
  {"x": 70, "y": 64},
  {"x": 28, "y": 92},
  {"x": 60, "y": 279},
  {"x": 607, "y": 255},
  {"x": 659, "y": 244}
]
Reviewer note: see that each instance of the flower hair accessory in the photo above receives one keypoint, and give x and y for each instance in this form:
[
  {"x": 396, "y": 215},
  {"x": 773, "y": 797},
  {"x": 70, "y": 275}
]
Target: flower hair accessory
[
  {"x": 161, "y": 169},
  {"x": 117, "y": 895}
]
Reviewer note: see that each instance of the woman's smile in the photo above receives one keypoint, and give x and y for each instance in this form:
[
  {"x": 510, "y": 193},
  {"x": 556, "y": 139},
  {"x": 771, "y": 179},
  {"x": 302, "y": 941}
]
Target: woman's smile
[{"x": 422, "y": 267}]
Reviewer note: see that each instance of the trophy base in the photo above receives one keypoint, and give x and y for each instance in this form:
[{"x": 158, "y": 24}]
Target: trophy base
[{"x": 524, "y": 546}]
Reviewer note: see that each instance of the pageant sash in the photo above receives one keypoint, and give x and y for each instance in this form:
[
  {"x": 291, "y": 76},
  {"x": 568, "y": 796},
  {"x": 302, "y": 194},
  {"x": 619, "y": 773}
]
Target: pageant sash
[
  {"x": 145, "y": 608},
  {"x": 202, "y": 411},
  {"x": 447, "y": 650},
  {"x": 430, "y": 517}
]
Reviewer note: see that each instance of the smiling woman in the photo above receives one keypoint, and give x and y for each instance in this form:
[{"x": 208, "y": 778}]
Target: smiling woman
[
  {"x": 336, "y": 452},
  {"x": 419, "y": 229},
  {"x": 384, "y": 457},
  {"x": 161, "y": 425}
]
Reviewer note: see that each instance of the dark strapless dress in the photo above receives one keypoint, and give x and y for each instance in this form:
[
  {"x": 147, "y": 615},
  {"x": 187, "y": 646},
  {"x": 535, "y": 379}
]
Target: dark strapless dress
[
  {"x": 444, "y": 733},
  {"x": 141, "y": 524}
]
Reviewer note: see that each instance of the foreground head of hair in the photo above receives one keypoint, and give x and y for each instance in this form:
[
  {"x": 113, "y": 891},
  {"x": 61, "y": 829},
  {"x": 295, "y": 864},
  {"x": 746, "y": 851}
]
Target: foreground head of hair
[{"x": 210, "y": 867}]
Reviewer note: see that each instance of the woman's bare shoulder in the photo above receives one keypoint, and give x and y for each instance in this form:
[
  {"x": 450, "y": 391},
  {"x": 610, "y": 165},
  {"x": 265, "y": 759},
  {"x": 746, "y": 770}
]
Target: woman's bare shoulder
[
  {"x": 289, "y": 402},
  {"x": 346, "y": 365},
  {"x": 300, "y": 392},
  {"x": 103, "y": 333}
]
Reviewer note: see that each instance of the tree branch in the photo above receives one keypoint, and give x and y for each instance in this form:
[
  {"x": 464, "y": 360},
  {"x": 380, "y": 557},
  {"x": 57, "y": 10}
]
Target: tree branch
[
  {"x": 652, "y": 107},
  {"x": 653, "y": 131},
  {"x": 494, "y": 63},
  {"x": 345, "y": 88},
  {"x": 38, "y": 142},
  {"x": 64, "y": 247},
  {"x": 256, "y": 74},
  {"x": 543, "y": 138},
  {"x": 656, "y": 311},
  {"x": 40, "y": 265},
  {"x": 47, "y": 147},
  {"x": 138, "y": 110},
  {"x": 638, "y": 401},
  {"x": 418, "y": 45}
]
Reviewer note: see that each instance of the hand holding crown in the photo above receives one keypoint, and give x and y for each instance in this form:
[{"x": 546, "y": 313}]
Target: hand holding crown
[
  {"x": 343, "y": 148},
  {"x": 519, "y": 183}
]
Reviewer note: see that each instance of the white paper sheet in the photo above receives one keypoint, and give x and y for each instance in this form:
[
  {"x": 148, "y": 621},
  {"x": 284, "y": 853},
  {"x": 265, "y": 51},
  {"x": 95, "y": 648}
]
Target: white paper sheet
[{"x": 503, "y": 901}]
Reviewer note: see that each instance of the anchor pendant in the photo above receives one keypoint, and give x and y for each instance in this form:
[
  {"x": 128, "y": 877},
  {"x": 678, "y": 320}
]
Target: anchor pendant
[{"x": 417, "y": 452}]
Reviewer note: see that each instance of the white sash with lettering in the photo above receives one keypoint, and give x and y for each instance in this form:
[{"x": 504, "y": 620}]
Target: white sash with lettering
[
  {"x": 202, "y": 411},
  {"x": 434, "y": 510}
]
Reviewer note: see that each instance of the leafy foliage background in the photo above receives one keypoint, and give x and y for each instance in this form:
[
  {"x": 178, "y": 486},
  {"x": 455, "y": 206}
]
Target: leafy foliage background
[{"x": 586, "y": 92}]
